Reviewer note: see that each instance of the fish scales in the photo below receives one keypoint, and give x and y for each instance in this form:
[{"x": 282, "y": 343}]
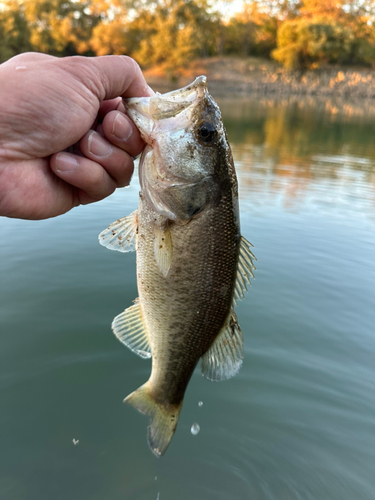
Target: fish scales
[
  {"x": 192, "y": 262},
  {"x": 186, "y": 314}
]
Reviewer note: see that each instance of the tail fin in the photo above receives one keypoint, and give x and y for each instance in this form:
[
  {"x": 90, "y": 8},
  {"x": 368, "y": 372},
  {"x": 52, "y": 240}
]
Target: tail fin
[{"x": 163, "y": 418}]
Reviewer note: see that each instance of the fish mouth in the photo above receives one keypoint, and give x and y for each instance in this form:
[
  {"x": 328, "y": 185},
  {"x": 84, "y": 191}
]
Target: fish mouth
[{"x": 163, "y": 106}]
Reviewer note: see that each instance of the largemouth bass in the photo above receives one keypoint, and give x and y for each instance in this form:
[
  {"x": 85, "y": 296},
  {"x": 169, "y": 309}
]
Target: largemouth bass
[{"x": 192, "y": 263}]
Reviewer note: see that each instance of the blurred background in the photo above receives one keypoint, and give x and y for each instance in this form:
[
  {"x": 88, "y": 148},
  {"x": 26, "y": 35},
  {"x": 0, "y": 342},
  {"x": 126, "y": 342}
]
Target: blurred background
[
  {"x": 295, "y": 85},
  {"x": 169, "y": 34}
]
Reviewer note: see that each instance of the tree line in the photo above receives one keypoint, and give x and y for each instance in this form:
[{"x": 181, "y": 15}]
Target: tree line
[{"x": 170, "y": 33}]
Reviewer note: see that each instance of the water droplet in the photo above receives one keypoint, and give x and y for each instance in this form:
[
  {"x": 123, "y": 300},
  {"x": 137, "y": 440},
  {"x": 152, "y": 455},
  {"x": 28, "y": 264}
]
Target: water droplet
[
  {"x": 156, "y": 478},
  {"x": 75, "y": 441},
  {"x": 195, "y": 429},
  {"x": 200, "y": 403},
  {"x": 157, "y": 498}
]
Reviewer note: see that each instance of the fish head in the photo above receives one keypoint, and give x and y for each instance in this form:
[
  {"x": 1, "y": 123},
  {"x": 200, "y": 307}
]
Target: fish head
[{"x": 184, "y": 160}]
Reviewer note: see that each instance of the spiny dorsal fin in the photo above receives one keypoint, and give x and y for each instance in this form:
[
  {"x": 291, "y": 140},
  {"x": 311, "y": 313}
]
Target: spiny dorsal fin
[
  {"x": 245, "y": 269},
  {"x": 163, "y": 248},
  {"x": 121, "y": 234},
  {"x": 130, "y": 330},
  {"x": 223, "y": 359}
]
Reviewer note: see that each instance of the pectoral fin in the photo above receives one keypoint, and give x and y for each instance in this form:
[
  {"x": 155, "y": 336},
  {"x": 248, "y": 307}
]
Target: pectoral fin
[
  {"x": 130, "y": 330},
  {"x": 163, "y": 249},
  {"x": 223, "y": 359},
  {"x": 121, "y": 235}
]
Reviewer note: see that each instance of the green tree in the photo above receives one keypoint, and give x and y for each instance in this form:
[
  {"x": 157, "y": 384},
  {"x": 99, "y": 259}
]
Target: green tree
[
  {"x": 60, "y": 27},
  {"x": 57, "y": 27},
  {"x": 110, "y": 37},
  {"x": 252, "y": 31},
  {"x": 177, "y": 32},
  {"x": 302, "y": 43},
  {"x": 334, "y": 31},
  {"x": 14, "y": 31}
]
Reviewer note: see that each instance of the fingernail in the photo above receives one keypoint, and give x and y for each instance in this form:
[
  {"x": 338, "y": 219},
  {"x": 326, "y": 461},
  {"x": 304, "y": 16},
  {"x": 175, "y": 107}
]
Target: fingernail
[
  {"x": 65, "y": 163},
  {"x": 121, "y": 128},
  {"x": 98, "y": 146}
]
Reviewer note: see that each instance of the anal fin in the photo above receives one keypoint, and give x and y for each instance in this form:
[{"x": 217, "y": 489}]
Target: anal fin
[{"x": 223, "y": 359}]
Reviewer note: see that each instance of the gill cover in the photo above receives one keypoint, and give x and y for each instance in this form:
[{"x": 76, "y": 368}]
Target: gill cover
[{"x": 177, "y": 167}]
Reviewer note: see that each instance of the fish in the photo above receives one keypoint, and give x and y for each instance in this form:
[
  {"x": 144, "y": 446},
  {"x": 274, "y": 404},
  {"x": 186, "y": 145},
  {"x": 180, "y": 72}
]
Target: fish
[{"x": 193, "y": 265}]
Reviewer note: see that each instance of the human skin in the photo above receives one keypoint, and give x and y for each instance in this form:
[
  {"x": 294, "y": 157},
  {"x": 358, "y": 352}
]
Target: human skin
[{"x": 65, "y": 139}]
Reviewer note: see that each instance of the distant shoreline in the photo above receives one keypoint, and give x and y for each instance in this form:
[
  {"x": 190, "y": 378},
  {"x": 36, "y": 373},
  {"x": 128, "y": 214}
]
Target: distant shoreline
[{"x": 246, "y": 77}]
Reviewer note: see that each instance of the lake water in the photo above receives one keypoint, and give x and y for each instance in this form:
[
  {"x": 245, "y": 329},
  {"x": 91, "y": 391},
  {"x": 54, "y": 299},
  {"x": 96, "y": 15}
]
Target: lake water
[{"x": 297, "y": 423}]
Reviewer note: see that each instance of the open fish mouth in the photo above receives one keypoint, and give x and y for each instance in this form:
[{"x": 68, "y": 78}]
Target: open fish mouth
[{"x": 162, "y": 106}]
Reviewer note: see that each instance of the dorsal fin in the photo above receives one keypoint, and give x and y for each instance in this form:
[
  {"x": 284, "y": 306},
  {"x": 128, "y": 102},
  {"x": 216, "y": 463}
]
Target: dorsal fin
[
  {"x": 245, "y": 269},
  {"x": 130, "y": 330},
  {"x": 121, "y": 235},
  {"x": 223, "y": 359}
]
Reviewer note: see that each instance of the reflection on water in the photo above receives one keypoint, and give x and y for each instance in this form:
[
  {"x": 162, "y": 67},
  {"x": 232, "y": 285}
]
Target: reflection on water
[
  {"x": 307, "y": 155},
  {"x": 296, "y": 423}
]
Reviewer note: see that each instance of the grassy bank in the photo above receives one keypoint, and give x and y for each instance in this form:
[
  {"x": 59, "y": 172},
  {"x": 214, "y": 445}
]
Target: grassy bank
[{"x": 249, "y": 76}]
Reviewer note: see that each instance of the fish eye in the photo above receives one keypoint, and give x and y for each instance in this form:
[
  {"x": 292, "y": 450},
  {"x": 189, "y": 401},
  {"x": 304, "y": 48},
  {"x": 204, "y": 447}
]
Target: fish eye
[{"x": 206, "y": 132}]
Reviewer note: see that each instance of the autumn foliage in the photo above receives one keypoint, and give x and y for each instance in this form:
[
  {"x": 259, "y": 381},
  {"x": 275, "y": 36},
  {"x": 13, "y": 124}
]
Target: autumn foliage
[{"x": 170, "y": 33}]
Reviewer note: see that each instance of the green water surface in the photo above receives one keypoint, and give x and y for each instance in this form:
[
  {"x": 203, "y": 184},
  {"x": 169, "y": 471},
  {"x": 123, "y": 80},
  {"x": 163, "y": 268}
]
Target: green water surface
[{"x": 297, "y": 423}]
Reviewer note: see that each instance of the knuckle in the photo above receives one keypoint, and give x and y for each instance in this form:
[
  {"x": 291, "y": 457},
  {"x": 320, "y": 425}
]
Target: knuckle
[
  {"x": 132, "y": 63},
  {"x": 123, "y": 170},
  {"x": 103, "y": 188}
]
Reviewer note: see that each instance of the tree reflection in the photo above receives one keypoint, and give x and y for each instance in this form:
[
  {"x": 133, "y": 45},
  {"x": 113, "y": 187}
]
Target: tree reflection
[{"x": 291, "y": 151}]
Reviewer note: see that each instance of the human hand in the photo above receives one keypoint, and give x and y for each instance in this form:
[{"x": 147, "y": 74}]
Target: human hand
[{"x": 64, "y": 137}]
